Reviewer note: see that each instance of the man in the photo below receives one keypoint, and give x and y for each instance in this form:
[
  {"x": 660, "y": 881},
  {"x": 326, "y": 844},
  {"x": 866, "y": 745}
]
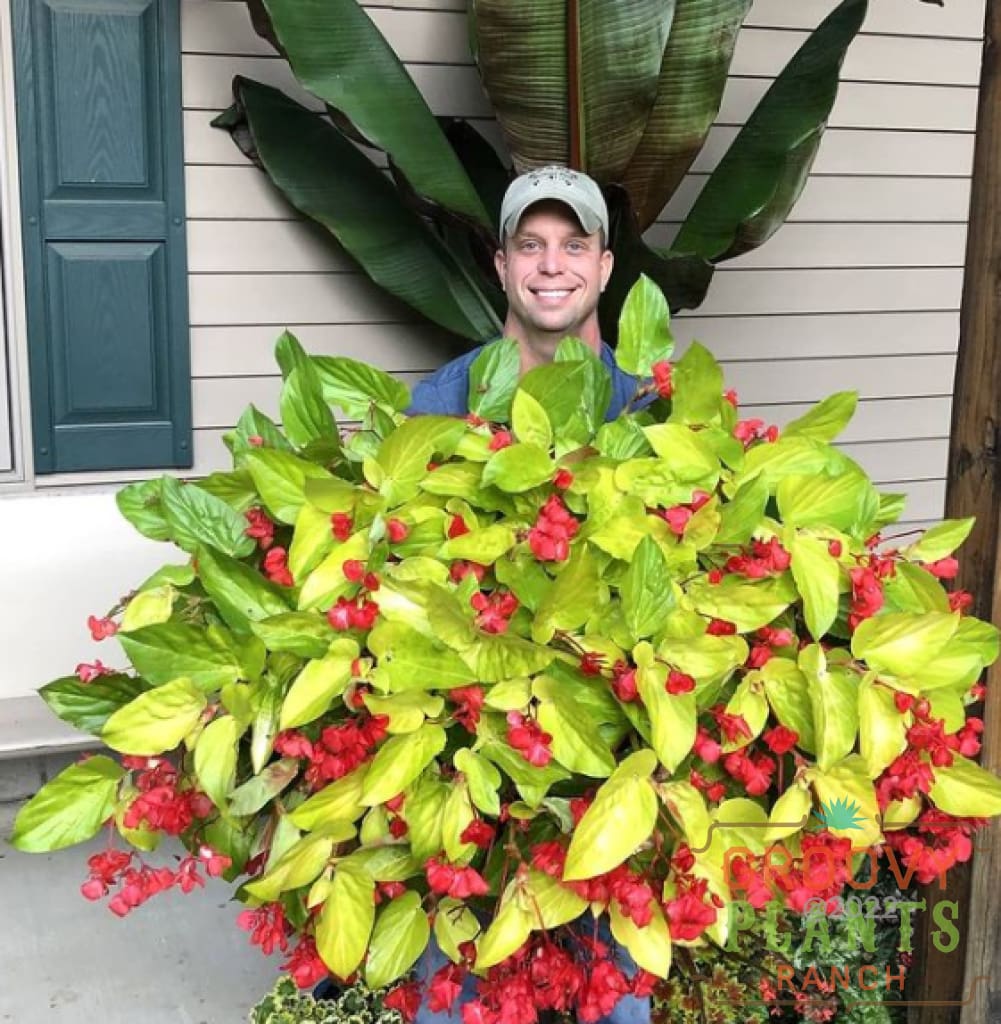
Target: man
[{"x": 553, "y": 267}]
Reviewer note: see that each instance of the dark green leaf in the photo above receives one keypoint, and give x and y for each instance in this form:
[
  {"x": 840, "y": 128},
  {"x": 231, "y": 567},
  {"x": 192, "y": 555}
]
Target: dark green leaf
[
  {"x": 493, "y": 378},
  {"x": 644, "y": 329},
  {"x": 88, "y": 706},
  {"x": 240, "y": 593},
  {"x": 354, "y": 386},
  {"x": 170, "y": 650},
  {"x": 140, "y": 504},
  {"x": 196, "y": 517}
]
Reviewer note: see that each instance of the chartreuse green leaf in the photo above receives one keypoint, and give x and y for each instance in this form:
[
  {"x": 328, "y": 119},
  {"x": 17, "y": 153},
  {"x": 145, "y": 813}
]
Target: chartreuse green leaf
[
  {"x": 510, "y": 927},
  {"x": 790, "y": 813},
  {"x": 740, "y": 822},
  {"x": 531, "y": 782},
  {"x": 672, "y": 716},
  {"x": 708, "y": 659},
  {"x": 327, "y": 582},
  {"x": 742, "y": 514},
  {"x": 493, "y": 379},
  {"x": 240, "y": 593},
  {"x": 817, "y": 575},
  {"x": 826, "y": 419},
  {"x": 163, "y": 652},
  {"x": 495, "y": 657},
  {"x": 882, "y": 728},
  {"x": 684, "y": 453},
  {"x": 88, "y": 706},
  {"x": 399, "y": 761},
  {"x": 940, "y": 540},
  {"x": 519, "y": 467},
  {"x": 400, "y": 936},
  {"x": 572, "y": 597},
  {"x": 552, "y": 903},
  {"x": 843, "y": 500},
  {"x": 408, "y": 660},
  {"x": 280, "y": 479},
  {"x": 215, "y": 758},
  {"x": 618, "y": 822},
  {"x": 423, "y": 812},
  {"x": 317, "y": 685},
  {"x": 255, "y": 424},
  {"x": 406, "y": 711},
  {"x": 454, "y": 924},
  {"x": 404, "y": 455},
  {"x": 311, "y": 541},
  {"x": 698, "y": 386},
  {"x": 748, "y": 605},
  {"x": 456, "y": 816},
  {"x": 300, "y": 864},
  {"x": 70, "y": 809},
  {"x": 346, "y": 920},
  {"x": 577, "y": 743},
  {"x": 235, "y": 488},
  {"x": 249, "y": 797},
  {"x": 148, "y": 608},
  {"x": 482, "y": 778},
  {"x": 848, "y": 781},
  {"x": 688, "y": 808},
  {"x": 913, "y": 589},
  {"x": 196, "y": 517},
  {"x": 834, "y": 700},
  {"x": 646, "y": 590},
  {"x": 966, "y": 790},
  {"x": 529, "y": 421},
  {"x": 140, "y": 504},
  {"x": 788, "y": 693},
  {"x": 305, "y": 415},
  {"x": 340, "y": 800},
  {"x": 484, "y": 546},
  {"x": 644, "y": 329},
  {"x": 176, "y": 575},
  {"x": 157, "y": 720},
  {"x": 902, "y": 643},
  {"x": 266, "y": 704},
  {"x": 354, "y": 386},
  {"x": 750, "y": 703},
  {"x": 304, "y": 634},
  {"x": 787, "y": 456},
  {"x": 575, "y": 395},
  {"x": 649, "y": 946}
]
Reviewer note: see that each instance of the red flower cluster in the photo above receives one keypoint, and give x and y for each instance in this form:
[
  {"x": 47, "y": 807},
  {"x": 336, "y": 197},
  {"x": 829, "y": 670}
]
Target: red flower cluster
[
  {"x": 304, "y": 964},
  {"x": 500, "y": 439},
  {"x": 679, "y": 682},
  {"x": 275, "y": 567},
  {"x": 688, "y": 914},
  {"x": 353, "y": 613},
  {"x": 944, "y": 841},
  {"x": 677, "y": 516},
  {"x": 749, "y": 431},
  {"x": 341, "y": 525},
  {"x": 261, "y": 528},
  {"x": 267, "y": 926},
  {"x": 160, "y": 805},
  {"x": 355, "y": 572},
  {"x": 662, "y": 372},
  {"x": 624, "y": 682},
  {"x": 87, "y": 673},
  {"x": 554, "y": 528},
  {"x": 867, "y": 595},
  {"x": 461, "y": 568},
  {"x": 820, "y": 873},
  {"x": 138, "y": 884},
  {"x": 339, "y": 750},
  {"x": 101, "y": 629},
  {"x": 494, "y": 610},
  {"x": 454, "y": 880},
  {"x": 753, "y": 771},
  {"x": 468, "y": 702},
  {"x": 527, "y": 737},
  {"x": 765, "y": 559}
]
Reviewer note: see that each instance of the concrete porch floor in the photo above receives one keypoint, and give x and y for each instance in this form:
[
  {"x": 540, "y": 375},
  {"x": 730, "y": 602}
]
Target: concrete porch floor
[{"x": 176, "y": 960}]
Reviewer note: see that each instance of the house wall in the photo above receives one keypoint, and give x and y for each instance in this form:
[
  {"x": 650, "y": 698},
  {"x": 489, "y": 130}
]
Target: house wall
[{"x": 861, "y": 289}]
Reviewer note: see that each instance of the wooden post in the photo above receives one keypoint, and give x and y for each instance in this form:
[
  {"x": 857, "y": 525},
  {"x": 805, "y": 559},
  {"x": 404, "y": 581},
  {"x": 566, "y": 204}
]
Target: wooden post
[{"x": 968, "y": 976}]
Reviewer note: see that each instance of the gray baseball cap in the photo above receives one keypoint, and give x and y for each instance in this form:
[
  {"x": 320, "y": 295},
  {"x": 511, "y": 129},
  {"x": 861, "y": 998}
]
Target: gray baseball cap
[{"x": 562, "y": 184}]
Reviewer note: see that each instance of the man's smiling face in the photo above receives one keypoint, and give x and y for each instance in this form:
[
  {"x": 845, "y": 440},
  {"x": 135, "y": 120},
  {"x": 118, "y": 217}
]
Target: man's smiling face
[{"x": 553, "y": 273}]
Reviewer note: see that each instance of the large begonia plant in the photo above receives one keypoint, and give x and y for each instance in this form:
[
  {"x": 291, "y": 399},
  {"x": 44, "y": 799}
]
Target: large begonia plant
[{"x": 483, "y": 678}]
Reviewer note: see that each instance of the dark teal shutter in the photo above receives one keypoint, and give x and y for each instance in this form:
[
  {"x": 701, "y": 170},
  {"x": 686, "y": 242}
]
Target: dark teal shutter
[{"x": 102, "y": 187}]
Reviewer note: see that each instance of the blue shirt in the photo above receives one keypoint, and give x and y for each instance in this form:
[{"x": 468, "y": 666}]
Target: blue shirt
[{"x": 446, "y": 391}]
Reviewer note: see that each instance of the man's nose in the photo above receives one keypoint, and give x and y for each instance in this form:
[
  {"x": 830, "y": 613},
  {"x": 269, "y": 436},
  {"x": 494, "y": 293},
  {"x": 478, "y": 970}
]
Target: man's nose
[{"x": 549, "y": 260}]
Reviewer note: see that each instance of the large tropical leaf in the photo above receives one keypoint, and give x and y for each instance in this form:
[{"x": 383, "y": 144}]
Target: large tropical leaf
[
  {"x": 750, "y": 194},
  {"x": 339, "y": 55},
  {"x": 488, "y": 173},
  {"x": 322, "y": 174},
  {"x": 692, "y": 77},
  {"x": 684, "y": 279},
  {"x": 572, "y": 81}
]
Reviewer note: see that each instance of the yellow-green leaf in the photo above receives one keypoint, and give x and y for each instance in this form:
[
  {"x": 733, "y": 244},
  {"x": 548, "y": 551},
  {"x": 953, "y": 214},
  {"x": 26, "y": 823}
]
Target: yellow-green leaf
[
  {"x": 649, "y": 946},
  {"x": 400, "y": 935},
  {"x": 346, "y": 920},
  {"x": 156, "y": 720},
  {"x": 215, "y": 758}
]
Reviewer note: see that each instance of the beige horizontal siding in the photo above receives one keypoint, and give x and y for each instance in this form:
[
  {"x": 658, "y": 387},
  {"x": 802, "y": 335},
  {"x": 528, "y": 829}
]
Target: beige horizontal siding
[{"x": 859, "y": 290}]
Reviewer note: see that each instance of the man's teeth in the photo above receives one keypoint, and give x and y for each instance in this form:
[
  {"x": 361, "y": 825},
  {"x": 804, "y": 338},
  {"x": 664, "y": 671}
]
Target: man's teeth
[{"x": 554, "y": 294}]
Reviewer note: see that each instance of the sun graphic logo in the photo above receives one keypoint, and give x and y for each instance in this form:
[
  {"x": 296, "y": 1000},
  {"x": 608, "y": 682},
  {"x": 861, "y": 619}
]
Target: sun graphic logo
[{"x": 841, "y": 814}]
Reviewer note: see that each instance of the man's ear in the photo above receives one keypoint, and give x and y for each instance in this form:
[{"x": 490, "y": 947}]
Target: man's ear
[
  {"x": 607, "y": 262},
  {"x": 500, "y": 265}
]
